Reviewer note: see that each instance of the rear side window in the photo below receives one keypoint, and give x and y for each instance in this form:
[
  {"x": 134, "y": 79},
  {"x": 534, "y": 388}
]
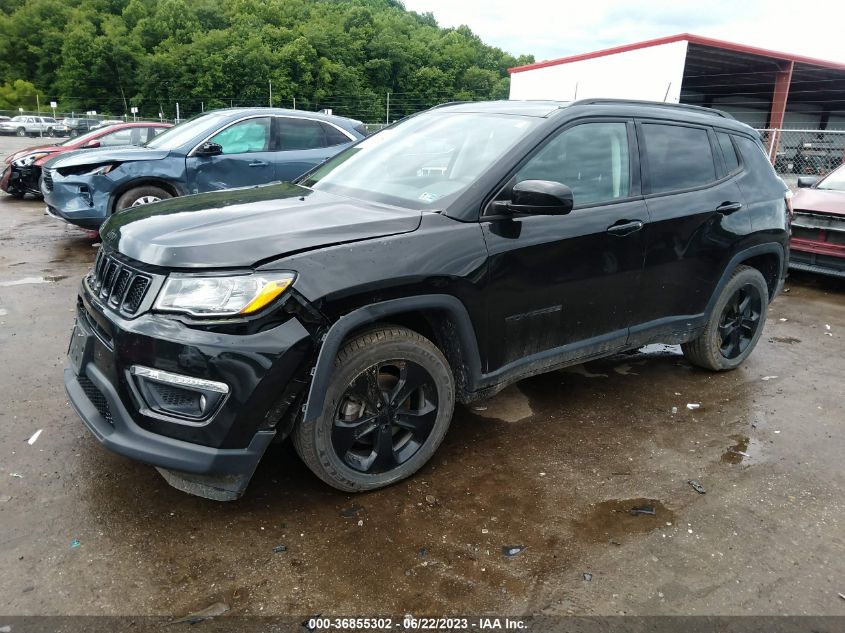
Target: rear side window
[
  {"x": 678, "y": 157},
  {"x": 334, "y": 136},
  {"x": 728, "y": 152},
  {"x": 300, "y": 134}
]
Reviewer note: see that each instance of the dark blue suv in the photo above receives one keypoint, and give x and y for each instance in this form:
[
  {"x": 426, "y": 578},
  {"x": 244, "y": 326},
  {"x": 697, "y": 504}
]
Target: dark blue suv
[{"x": 222, "y": 149}]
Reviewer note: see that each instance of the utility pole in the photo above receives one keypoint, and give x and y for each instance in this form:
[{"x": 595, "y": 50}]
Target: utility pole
[
  {"x": 294, "y": 103},
  {"x": 38, "y": 106},
  {"x": 177, "y": 112},
  {"x": 387, "y": 110},
  {"x": 202, "y": 106},
  {"x": 271, "y": 92}
]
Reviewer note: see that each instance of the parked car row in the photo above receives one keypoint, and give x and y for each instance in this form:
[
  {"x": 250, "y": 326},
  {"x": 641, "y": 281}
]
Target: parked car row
[
  {"x": 22, "y": 170},
  {"x": 33, "y": 126}
]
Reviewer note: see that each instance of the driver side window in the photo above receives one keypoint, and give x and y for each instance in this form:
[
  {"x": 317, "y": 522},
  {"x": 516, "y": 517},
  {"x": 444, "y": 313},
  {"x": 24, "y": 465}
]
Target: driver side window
[
  {"x": 591, "y": 159},
  {"x": 252, "y": 135}
]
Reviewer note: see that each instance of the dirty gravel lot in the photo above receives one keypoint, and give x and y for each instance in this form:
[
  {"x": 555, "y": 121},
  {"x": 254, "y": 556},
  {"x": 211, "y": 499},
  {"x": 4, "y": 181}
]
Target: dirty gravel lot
[{"x": 552, "y": 464}]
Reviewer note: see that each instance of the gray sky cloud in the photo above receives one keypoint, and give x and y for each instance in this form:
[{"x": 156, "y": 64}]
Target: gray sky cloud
[{"x": 556, "y": 28}]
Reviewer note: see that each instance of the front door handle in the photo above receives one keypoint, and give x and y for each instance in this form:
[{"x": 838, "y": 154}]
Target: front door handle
[
  {"x": 729, "y": 207},
  {"x": 625, "y": 227},
  {"x": 258, "y": 163}
]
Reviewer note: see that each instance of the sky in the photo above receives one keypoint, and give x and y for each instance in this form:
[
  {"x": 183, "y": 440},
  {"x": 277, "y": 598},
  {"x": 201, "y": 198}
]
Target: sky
[{"x": 557, "y": 28}]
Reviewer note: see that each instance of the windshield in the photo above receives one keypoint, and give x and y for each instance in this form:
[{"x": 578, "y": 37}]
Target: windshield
[
  {"x": 425, "y": 162},
  {"x": 180, "y": 134},
  {"x": 19, "y": 118},
  {"x": 834, "y": 181}
]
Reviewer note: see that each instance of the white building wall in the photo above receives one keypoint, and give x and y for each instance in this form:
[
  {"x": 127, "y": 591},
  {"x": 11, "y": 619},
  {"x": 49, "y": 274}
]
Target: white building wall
[{"x": 652, "y": 74}]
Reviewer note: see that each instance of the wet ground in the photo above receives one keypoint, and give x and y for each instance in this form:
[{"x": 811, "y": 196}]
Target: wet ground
[{"x": 567, "y": 493}]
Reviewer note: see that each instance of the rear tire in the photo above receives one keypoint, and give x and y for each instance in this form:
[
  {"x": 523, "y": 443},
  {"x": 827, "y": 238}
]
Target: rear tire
[
  {"x": 387, "y": 409},
  {"x": 735, "y": 324},
  {"x": 139, "y": 196}
]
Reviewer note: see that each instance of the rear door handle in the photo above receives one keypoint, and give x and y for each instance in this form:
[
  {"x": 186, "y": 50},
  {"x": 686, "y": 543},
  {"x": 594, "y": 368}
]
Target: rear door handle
[
  {"x": 258, "y": 163},
  {"x": 625, "y": 227},
  {"x": 729, "y": 207}
]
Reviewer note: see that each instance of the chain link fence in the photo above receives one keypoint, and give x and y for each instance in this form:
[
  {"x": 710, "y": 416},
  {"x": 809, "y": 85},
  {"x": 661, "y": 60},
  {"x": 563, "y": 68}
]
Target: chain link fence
[{"x": 804, "y": 152}]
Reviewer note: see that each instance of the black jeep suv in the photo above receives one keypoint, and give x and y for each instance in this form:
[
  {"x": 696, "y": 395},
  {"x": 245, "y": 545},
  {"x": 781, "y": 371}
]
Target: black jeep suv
[{"x": 451, "y": 254}]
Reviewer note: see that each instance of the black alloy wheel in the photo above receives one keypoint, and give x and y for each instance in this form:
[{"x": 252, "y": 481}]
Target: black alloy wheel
[
  {"x": 740, "y": 320},
  {"x": 384, "y": 416}
]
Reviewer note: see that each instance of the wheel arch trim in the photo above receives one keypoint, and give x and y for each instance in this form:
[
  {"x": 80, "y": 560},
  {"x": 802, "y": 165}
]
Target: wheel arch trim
[
  {"x": 346, "y": 324},
  {"x": 772, "y": 248}
]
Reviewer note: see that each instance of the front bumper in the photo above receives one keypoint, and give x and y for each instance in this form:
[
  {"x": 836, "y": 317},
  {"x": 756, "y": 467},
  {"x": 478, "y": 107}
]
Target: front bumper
[
  {"x": 21, "y": 179},
  {"x": 817, "y": 244},
  {"x": 80, "y": 200},
  {"x": 213, "y": 458}
]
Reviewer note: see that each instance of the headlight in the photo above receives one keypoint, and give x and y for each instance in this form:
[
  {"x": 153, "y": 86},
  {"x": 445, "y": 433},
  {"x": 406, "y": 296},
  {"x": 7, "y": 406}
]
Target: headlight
[
  {"x": 237, "y": 295},
  {"x": 29, "y": 159},
  {"x": 99, "y": 170}
]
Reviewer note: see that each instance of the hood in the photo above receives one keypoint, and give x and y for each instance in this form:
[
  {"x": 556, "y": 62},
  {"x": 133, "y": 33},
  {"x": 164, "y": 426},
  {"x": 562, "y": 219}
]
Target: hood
[
  {"x": 29, "y": 150},
  {"x": 819, "y": 201},
  {"x": 101, "y": 155},
  {"x": 240, "y": 227}
]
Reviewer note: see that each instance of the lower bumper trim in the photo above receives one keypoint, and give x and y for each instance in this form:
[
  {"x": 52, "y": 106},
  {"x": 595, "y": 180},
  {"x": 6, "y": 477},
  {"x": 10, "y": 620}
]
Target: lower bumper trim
[{"x": 226, "y": 470}]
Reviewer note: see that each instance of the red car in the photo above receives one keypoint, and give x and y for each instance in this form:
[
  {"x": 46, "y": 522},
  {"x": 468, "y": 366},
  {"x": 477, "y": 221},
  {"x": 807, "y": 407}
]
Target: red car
[
  {"x": 818, "y": 226},
  {"x": 22, "y": 170}
]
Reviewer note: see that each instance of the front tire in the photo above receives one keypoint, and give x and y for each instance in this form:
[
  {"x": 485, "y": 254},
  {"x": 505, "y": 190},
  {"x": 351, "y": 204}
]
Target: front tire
[
  {"x": 139, "y": 196},
  {"x": 387, "y": 409},
  {"x": 735, "y": 324},
  {"x": 21, "y": 131}
]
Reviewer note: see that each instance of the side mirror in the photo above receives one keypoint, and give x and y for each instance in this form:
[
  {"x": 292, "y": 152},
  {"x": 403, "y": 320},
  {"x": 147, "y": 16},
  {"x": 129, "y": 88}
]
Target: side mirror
[
  {"x": 92, "y": 144},
  {"x": 541, "y": 197},
  {"x": 807, "y": 181},
  {"x": 209, "y": 149}
]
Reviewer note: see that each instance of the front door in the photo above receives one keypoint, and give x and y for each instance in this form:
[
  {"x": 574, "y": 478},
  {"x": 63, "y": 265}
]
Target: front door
[
  {"x": 247, "y": 158},
  {"x": 562, "y": 287}
]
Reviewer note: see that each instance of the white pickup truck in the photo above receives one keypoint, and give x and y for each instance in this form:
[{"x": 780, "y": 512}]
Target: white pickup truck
[{"x": 30, "y": 125}]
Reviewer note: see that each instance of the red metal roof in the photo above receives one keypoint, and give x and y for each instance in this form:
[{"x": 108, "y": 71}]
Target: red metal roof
[{"x": 681, "y": 37}]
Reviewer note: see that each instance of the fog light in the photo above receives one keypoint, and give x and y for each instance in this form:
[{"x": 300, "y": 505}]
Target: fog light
[{"x": 177, "y": 395}]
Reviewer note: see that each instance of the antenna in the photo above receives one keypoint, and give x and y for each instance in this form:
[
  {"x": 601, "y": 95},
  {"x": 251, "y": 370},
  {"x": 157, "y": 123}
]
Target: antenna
[{"x": 666, "y": 96}]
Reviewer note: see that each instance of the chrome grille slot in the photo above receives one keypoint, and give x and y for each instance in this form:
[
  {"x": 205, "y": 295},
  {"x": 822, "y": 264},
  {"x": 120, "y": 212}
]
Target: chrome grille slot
[{"x": 118, "y": 284}]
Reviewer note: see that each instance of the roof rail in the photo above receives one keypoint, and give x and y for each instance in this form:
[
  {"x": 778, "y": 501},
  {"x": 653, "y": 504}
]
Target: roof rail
[{"x": 655, "y": 104}]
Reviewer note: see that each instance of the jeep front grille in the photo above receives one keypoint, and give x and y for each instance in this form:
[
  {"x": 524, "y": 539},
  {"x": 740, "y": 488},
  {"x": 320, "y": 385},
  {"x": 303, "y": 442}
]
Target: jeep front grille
[{"x": 118, "y": 284}]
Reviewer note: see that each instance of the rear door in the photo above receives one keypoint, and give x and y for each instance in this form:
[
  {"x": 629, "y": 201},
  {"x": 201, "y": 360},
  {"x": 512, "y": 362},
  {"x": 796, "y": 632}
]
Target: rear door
[
  {"x": 696, "y": 214},
  {"x": 247, "y": 157},
  {"x": 304, "y": 144}
]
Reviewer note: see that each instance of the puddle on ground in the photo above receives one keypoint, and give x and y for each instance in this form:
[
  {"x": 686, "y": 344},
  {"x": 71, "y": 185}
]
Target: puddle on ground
[
  {"x": 789, "y": 340},
  {"x": 744, "y": 450},
  {"x": 612, "y": 521},
  {"x": 509, "y": 405},
  {"x": 32, "y": 280}
]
